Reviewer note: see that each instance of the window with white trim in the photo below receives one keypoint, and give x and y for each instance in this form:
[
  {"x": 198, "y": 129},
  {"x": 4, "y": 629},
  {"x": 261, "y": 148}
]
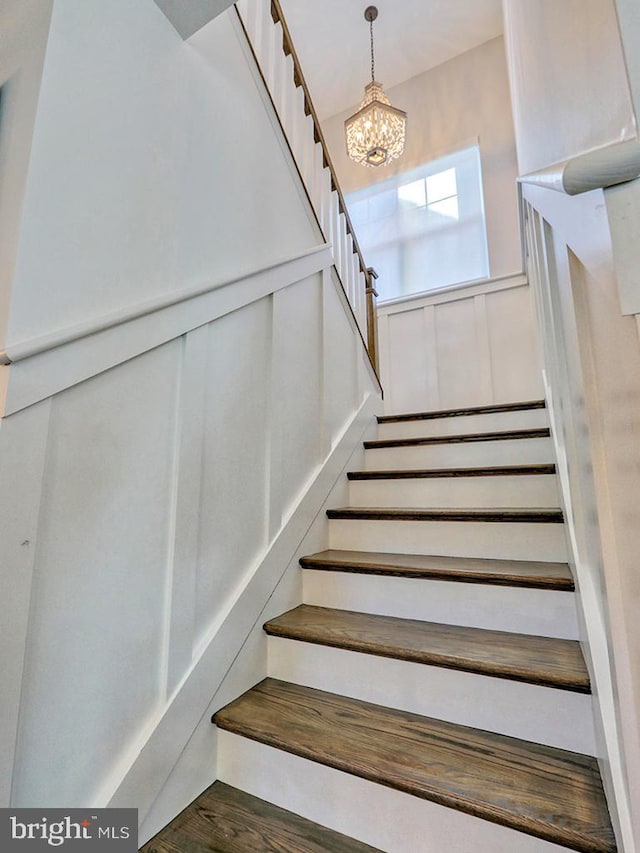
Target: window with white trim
[{"x": 425, "y": 228}]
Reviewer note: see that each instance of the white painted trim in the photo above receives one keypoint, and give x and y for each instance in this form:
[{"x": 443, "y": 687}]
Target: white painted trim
[
  {"x": 35, "y": 346},
  {"x": 599, "y": 169},
  {"x": 452, "y": 293},
  {"x": 142, "y": 773},
  {"x": 46, "y": 366}
]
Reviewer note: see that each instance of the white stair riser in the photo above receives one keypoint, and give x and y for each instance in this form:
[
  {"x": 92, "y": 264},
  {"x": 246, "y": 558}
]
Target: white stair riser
[
  {"x": 547, "y": 613},
  {"x": 545, "y": 715},
  {"x": 382, "y": 817},
  {"x": 474, "y": 454},
  {"x": 535, "y": 490},
  {"x": 495, "y": 540},
  {"x": 465, "y": 424}
]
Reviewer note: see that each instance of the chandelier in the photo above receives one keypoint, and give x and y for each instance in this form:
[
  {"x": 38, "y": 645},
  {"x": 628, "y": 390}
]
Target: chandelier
[{"x": 375, "y": 134}]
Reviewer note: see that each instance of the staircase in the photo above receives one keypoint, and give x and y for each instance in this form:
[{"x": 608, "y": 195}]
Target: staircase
[{"x": 430, "y": 694}]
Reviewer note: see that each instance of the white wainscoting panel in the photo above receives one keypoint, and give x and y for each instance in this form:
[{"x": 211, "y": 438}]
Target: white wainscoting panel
[
  {"x": 164, "y": 496},
  {"x": 297, "y": 384},
  {"x": 95, "y": 649},
  {"x": 233, "y": 505},
  {"x": 462, "y": 346},
  {"x": 340, "y": 350}
]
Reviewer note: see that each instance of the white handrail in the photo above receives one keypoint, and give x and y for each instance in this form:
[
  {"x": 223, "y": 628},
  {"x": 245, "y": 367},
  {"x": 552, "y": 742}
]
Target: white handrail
[{"x": 599, "y": 169}]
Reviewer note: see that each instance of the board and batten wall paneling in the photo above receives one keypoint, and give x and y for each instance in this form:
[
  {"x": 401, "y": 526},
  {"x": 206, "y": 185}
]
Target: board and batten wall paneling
[
  {"x": 94, "y": 665},
  {"x": 513, "y": 343},
  {"x": 164, "y": 497},
  {"x": 463, "y": 346},
  {"x": 340, "y": 351},
  {"x": 297, "y": 389},
  {"x": 407, "y": 358},
  {"x": 233, "y": 505}
]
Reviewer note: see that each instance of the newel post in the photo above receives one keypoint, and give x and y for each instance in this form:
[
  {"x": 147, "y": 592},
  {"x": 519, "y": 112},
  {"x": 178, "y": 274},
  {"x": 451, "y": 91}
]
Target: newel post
[{"x": 372, "y": 318}]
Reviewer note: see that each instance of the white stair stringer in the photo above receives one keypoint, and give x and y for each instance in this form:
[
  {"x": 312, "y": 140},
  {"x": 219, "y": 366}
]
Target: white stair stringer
[
  {"x": 548, "y": 715},
  {"x": 372, "y": 813}
]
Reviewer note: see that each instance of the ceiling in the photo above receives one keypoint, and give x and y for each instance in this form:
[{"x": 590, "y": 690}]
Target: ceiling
[{"x": 332, "y": 41}]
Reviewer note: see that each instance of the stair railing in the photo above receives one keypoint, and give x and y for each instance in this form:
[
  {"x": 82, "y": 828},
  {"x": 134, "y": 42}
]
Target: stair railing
[
  {"x": 270, "y": 40},
  {"x": 579, "y": 223}
]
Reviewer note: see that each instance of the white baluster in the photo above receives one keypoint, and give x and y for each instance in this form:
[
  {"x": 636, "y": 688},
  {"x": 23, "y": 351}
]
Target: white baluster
[
  {"x": 279, "y": 71},
  {"x": 297, "y": 143},
  {"x": 309, "y": 145},
  {"x": 349, "y": 272},
  {"x": 334, "y": 227},
  {"x": 317, "y": 181},
  {"x": 262, "y": 45},
  {"x": 289, "y": 98}
]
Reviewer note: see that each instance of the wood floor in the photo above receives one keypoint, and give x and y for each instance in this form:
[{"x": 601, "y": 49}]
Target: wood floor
[
  {"x": 226, "y": 820},
  {"x": 534, "y": 575},
  {"x": 519, "y": 657},
  {"x": 464, "y": 412},
  {"x": 443, "y": 473},
  {"x": 551, "y": 793},
  {"x": 500, "y": 514},
  {"x": 466, "y": 438}
]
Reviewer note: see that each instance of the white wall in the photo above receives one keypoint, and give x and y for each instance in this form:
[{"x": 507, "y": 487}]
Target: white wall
[
  {"x": 24, "y": 26},
  {"x": 459, "y": 347},
  {"x": 568, "y": 77},
  {"x": 144, "y": 178},
  {"x": 187, "y": 382},
  {"x": 449, "y": 107}
]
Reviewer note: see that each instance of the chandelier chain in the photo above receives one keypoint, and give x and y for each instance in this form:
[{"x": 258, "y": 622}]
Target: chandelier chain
[{"x": 373, "y": 70}]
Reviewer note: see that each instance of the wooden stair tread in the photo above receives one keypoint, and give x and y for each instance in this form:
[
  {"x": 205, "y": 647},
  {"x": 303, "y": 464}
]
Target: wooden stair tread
[
  {"x": 546, "y": 792},
  {"x": 470, "y": 438},
  {"x": 442, "y": 473},
  {"x": 534, "y": 515},
  {"x": 518, "y": 657},
  {"x": 226, "y": 820},
  {"x": 455, "y": 413},
  {"x": 536, "y": 575}
]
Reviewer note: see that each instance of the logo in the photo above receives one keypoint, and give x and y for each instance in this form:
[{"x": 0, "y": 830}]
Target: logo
[{"x": 27, "y": 830}]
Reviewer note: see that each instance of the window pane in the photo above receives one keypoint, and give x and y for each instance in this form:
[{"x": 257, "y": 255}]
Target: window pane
[
  {"x": 448, "y": 207},
  {"x": 413, "y": 194},
  {"x": 382, "y": 204},
  {"x": 425, "y": 228},
  {"x": 441, "y": 185}
]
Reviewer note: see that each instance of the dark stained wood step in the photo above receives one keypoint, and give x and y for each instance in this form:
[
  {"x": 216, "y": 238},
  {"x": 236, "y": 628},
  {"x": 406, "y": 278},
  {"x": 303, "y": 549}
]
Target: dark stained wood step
[
  {"x": 543, "y": 791},
  {"x": 226, "y": 820},
  {"x": 518, "y": 657},
  {"x": 443, "y": 473},
  {"x": 536, "y": 515},
  {"x": 456, "y": 413},
  {"x": 471, "y": 438},
  {"x": 533, "y": 575}
]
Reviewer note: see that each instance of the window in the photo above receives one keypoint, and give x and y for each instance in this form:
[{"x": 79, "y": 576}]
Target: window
[{"x": 425, "y": 228}]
